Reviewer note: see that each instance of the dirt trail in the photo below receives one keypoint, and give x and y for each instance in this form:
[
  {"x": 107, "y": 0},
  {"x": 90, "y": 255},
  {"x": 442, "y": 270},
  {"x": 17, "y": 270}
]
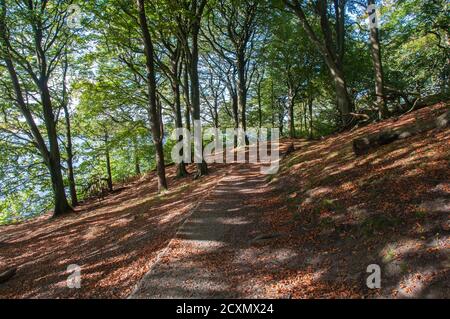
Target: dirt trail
[{"x": 218, "y": 228}]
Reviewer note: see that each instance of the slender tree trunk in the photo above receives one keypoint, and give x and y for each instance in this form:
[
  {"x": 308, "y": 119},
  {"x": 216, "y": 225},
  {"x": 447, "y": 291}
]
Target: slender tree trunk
[
  {"x": 202, "y": 168},
  {"x": 310, "y": 106},
  {"x": 108, "y": 164},
  {"x": 152, "y": 107},
  {"x": 69, "y": 148},
  {"x": 378, "y": 68},
  {"x": 181, "y": 169},
  {"x": 242, "y": 90},
  {"x": 291, "y": 113},
  {"x": 281, "y": 117},
  {"x": 272, "y": 102},
  {"x": 137, "y": 165},
  {"x": 187, "y": 114},
  {"x": 216, "y": 111},
  {"x": 259, "y": 105},
  {"x": 305, "y": 114}
]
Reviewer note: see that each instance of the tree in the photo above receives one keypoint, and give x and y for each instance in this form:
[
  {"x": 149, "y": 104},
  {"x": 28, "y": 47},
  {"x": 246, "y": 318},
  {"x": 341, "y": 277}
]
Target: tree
[
  {"x": 151, "y": 82},
  {"x": 331, "y": 48},
  {"x": 188, "y": 17},
  {"x": 376, "y": 61},
  {"x": 50, "y": 37},
  {"x": 237, "y": 22}
]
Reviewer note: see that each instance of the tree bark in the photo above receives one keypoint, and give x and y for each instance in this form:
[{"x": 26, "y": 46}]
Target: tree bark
[
  {"x": 242, "y": 90},
  {"x": 186, "y": 90},
  {"x": 181, "y": 169},
  {"x": 69, "y": 147},
  {"x": 69, "y": 150},
  {"x": 108, "y": 164},
  {"x": 310, "y": 106},
  {"x": 259, "y": 104},
  {"x": 137, "y": 165},
  {"x": 378, "y": 68},
  {"x": 291, "y": 113},
  {"x": 152, "y": 107},
  {"x": 191, "y": 50}
]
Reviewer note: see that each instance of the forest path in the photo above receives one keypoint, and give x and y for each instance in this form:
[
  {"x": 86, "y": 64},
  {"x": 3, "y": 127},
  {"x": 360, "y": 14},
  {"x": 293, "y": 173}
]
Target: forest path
[{"x": 198, "y": 261}]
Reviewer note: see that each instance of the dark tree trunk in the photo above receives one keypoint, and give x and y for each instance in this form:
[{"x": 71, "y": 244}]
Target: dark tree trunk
[
  {"x": 241, "y": 90},
  {"x": 69, "y": 147},
  {"x": 69, "y": 150},
  {"x": 272, "y": 102},
  {"x": 137, "y": 165},
  {"x": 181, "y": 169},
  {"x": 259, "y": 105},
  {"x": 108, "y": 164},
  {"x": 291, "y": 113},
  {"x": 152, "y": 107},
  {"x": 61, "y": 204},
  {"x": 310, "y": 106},
  {"x": 202, "y": 168},
  {"x": 187, "y": 114},
  {"x": 280, "y": 117}
]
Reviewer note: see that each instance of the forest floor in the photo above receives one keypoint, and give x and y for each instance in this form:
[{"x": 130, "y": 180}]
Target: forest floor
[{"x": 309, "y": 231}]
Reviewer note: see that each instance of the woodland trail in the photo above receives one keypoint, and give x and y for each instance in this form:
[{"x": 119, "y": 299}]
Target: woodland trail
[{"x": 210, "y": 240}]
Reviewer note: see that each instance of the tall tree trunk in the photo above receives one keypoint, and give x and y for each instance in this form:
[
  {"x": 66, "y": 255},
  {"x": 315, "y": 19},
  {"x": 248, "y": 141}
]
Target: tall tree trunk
[
  {"x": 69, "y": 150},
  {"x": 291, "y": 113},
  {"x": 181, "y": 169},
  {"x": 343, "y": 100},
  {"x": 305, "y": 115},
  {"x": 202, "y": 168},
  {"x": 378, "y": 67},
  {"x": 152, "y": 107},
  {"x": 259, "y": 105},
  {"x": 242, "y": 90},
  {"x": 272, "y": 102},
  {"x": 187, "y": 99},
  {"x": 108, "y": 164},
  {"x": 310, "y": 106},
  {"x": 69, "y": 147},
  {"x": 61, "y": 204},
  {"x": 280, "y": 117},
  {"x": 137, "y": 165}
]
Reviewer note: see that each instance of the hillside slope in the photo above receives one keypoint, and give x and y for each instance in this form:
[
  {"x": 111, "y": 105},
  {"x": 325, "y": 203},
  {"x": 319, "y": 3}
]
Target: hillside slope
[
  {"x": 342, "y": 213},
  {"x": 309, "y": 231}
]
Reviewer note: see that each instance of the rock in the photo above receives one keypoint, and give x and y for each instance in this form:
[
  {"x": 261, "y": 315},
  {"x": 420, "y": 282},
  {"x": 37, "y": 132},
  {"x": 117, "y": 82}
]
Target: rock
[
  {"x": 363, "y": 144},
  {"x": 7, "y": 274},
  {"x": 404, "y": 135},
  {"x": 443, "y": 120}
]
